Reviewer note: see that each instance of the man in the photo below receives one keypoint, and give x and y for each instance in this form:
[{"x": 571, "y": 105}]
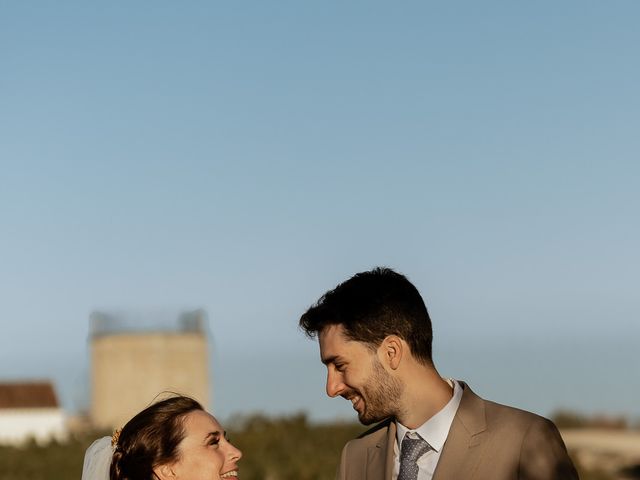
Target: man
[{"x": 375, "y": 339}]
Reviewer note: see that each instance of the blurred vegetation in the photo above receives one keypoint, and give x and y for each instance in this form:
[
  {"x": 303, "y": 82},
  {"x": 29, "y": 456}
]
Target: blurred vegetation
[
  {"x": 290, "y": 447},
  {"x": 585, "y": 474},
  {"x": 570, "y": 419},
  {"x": 284, "y": 448},
  {"x": 45, "y": 462},
  {"x": 273, "y": 449}
]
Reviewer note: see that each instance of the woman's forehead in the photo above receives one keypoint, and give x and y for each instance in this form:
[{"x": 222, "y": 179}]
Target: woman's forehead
[{"x": 201, "y": 422}]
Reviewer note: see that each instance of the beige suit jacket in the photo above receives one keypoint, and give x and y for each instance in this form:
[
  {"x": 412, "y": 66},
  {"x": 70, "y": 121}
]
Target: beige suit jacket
[{"x": 487, "y": 441}]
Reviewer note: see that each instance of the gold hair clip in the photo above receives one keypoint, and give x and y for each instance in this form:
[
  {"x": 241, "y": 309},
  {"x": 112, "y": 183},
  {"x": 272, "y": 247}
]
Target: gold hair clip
[{"x": 115, "y": 437}]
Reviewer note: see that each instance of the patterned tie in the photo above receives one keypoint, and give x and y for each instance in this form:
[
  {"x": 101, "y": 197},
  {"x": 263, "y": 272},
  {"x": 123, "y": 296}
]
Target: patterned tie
[{"x": 410, "y": 451}]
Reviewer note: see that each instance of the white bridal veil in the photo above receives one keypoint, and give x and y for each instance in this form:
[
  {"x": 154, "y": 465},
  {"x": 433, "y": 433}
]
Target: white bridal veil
[{"x": 97, "y": 460}]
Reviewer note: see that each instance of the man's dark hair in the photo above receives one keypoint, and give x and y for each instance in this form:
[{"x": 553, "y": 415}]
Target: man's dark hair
[
  {"x": 151, "y": 438},
  {"x": 372, "y": 305}
]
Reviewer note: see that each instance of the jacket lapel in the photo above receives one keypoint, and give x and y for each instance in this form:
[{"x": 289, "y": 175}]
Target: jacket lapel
[
  {"x": 380, "y": 456},
  {"x": 464, "y": 445}
]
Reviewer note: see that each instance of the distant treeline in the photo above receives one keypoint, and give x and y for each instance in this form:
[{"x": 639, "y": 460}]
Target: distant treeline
[
  {"x": 283, "y": 448},
  {"x": 571, "y": 419}
]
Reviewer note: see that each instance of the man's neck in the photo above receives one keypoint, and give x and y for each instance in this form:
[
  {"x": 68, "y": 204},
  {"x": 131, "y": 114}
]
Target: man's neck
[{"x": 425, "y": 394}]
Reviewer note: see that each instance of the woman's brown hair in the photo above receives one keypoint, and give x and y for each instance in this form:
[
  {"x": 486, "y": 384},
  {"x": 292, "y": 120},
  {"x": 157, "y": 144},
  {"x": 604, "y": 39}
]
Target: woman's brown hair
[{"x": 151, "y": 438}]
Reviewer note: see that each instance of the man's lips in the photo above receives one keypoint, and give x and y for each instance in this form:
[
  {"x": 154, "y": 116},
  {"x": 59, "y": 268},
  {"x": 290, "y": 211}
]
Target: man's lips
[{"x": 355, "y": 399}]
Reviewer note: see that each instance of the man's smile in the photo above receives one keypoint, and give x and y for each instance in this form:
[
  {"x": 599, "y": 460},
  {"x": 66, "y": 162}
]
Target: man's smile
[{"x": 356, "y": 400}]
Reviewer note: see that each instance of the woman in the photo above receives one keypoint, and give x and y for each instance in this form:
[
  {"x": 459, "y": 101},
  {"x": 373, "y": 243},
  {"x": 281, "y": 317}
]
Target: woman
[{"x": 174, "y": 439}]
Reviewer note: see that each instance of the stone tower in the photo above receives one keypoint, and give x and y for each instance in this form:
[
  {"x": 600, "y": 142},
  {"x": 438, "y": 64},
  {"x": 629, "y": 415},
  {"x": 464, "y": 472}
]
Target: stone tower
[{"x": 131, "y": 365}]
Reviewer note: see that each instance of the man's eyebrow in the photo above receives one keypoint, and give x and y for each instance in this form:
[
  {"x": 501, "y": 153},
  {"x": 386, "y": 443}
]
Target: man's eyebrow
[{"x": 331, "y": 359}]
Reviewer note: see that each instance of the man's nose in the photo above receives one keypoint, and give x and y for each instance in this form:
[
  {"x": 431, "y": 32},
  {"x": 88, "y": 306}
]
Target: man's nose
[{"x": 334, "y": 383}]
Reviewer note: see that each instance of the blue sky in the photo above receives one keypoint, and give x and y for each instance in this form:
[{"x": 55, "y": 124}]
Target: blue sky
[{"x": 245, "y": 157}]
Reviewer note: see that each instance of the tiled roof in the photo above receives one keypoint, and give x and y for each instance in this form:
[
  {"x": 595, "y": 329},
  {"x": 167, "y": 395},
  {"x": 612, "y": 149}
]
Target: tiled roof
[{"x": 27, "y": 395}]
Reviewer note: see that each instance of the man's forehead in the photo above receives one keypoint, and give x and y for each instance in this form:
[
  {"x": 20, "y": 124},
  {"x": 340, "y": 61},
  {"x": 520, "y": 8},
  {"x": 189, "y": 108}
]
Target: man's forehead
[
  {"x": 332, "y": 337},
  {"x": 332, "y": 331},
  {"x": 336, "y": 345}
]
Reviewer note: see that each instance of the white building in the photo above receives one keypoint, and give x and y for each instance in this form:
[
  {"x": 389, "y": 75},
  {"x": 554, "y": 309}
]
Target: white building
[{"x": 30, "y": 410}]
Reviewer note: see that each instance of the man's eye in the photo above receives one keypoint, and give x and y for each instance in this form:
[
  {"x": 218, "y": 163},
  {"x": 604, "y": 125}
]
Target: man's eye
[{"x": 340, "y": 367}]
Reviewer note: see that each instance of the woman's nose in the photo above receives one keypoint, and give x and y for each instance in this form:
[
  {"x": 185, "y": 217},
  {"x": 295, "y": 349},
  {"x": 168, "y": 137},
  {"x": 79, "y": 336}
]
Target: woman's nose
[{"x": 235, "y": 453}]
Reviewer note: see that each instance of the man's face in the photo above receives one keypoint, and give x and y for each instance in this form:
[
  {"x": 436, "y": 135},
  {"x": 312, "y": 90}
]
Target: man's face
[{"x": 355, "y": 373}]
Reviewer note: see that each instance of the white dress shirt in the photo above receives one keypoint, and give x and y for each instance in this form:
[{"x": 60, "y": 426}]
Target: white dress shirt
[{"x": 434, "y": 431}]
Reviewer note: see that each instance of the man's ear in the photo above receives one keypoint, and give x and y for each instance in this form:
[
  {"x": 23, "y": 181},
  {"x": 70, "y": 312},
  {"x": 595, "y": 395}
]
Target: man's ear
[
  {"x": 165, "y": 472},
  {"x": 392, "y": 349}
]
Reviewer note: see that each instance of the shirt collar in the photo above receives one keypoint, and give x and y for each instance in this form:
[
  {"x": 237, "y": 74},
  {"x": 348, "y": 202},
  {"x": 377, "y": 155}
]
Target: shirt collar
[{"x": 435, "y": 430}]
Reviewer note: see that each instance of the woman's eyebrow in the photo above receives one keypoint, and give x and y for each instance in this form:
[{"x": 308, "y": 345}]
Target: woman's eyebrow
[{"x": 215, "y": 435}]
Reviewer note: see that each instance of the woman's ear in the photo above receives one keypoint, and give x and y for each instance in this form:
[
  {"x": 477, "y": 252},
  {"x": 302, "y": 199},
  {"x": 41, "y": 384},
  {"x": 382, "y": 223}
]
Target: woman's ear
[
  {"x": 165, "y": 472},
  {"x": 392, "y": 349}
]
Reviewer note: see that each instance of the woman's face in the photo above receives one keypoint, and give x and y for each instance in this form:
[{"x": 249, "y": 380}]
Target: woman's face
[{"x": 205, "y": 453}]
